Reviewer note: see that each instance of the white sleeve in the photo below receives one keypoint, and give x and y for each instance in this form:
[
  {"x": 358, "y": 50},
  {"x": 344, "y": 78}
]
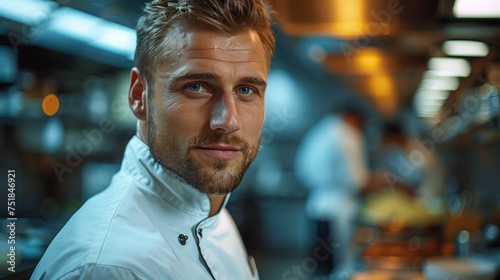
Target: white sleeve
[{"x": 356, "y": 157}]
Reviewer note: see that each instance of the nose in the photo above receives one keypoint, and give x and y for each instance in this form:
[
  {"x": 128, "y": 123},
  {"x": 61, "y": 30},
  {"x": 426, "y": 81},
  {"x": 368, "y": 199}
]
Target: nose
[{"x": 224, "y": 115}]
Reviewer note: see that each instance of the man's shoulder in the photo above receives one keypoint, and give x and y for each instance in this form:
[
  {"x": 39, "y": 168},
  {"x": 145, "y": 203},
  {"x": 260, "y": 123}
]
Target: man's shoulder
[
  {"x": 96, "y": 246},
  {"x": 108, "y": 218}
]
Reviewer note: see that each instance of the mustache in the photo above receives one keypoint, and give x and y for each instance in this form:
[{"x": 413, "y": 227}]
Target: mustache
[{"x": 226, "y": 139}]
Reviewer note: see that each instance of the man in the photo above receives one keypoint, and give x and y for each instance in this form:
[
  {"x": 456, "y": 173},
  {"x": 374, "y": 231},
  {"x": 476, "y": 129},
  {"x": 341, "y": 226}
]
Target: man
[
  {"x": 198, "y": 94},
  {"x": 332, "y": 162}
]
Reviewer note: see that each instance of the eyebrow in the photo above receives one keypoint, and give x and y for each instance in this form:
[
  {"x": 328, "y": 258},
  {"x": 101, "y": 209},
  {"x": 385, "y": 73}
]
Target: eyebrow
[
  {"x": 254, "y": 80},
  {"x": 211, "y": 76}
]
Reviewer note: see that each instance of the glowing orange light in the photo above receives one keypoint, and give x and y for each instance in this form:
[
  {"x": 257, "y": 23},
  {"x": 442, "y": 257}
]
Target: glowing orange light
[
  {"x": 383, "y": 93},
  {"x": 349, "y": 18},
  {"x": 50, "y": 104},
  {"x": 369, "y": 61}
]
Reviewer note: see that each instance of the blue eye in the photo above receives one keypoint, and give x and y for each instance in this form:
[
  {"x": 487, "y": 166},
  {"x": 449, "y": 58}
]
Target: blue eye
[
  {"x": 195, "y": 87},
  {"x": 196, "y": 90},
  {"x": 245, "y": 90}
]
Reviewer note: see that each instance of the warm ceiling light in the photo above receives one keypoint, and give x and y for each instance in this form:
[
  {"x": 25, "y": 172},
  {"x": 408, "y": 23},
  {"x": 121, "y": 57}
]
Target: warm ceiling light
[
  {"x": 458, "y": 66},
  {"x": 368, "y": 61},
  {"x": 465, "y": 48},
  {"x": 349, "y": 17},
  {"x": 381, "y": 86},
  {"x": 382, "y": 92},
  {"x": 476, "y": 9}
]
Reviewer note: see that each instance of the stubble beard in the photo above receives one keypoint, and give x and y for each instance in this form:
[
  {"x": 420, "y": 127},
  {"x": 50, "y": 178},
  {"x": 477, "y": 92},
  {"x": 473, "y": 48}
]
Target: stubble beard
[{"x": 212, "y": 176}]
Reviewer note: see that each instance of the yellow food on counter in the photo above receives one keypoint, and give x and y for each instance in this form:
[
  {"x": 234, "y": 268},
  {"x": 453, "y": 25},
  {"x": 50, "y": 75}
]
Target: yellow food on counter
[{"x": 398, "y": 209}]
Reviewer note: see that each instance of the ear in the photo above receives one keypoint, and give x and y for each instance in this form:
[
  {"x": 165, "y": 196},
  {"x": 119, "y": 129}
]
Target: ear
[{"x": 137, "y": 94}]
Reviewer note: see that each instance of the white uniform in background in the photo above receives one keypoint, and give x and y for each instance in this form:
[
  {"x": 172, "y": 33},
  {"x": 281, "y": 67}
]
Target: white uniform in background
[{"x": 331, "y": 162}]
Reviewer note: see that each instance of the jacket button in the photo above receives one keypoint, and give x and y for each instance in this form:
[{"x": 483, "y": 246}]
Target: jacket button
[{"x": 182, "y": 239}]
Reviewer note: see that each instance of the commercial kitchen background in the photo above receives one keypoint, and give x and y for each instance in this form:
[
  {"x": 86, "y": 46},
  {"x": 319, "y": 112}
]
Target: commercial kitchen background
[{"x": 378, "y": 55}]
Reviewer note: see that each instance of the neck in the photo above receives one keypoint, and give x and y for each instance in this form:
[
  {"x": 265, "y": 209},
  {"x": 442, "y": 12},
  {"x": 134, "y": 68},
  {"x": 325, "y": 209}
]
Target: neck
[
  {"x": 216, "y": 201},
  {"x": 142, "y": 131}
]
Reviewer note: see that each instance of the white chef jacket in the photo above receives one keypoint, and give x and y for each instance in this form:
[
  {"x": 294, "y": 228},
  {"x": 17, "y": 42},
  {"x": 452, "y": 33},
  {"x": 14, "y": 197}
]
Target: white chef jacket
[{"x": 137, "y": 229}]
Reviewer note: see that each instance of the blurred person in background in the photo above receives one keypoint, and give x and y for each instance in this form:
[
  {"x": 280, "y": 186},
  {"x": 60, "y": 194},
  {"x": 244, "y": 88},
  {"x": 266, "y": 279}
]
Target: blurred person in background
[
  {"x": 415, "y": 178},
  {"x": 332, "y": 162},
  {"x": 393, "y": 158},
  {"x": 198, "y": 93}
]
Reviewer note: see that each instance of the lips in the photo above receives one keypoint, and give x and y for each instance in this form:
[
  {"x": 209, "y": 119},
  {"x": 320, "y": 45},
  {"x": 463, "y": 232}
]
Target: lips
[{"x": 223, "y": 152}]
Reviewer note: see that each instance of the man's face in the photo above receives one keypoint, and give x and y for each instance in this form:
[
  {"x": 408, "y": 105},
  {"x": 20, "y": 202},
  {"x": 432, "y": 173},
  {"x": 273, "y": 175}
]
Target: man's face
[{"x": 206, "y": 111}]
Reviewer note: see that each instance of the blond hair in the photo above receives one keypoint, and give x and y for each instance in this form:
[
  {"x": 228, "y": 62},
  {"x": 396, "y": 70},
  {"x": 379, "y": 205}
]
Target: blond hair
[{"x": 227, "y": 16}]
